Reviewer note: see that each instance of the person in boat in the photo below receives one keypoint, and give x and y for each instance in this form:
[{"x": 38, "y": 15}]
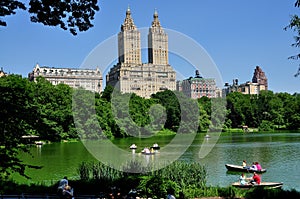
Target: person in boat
[
  {"x": 243, "y": 179},
  {"x": 255, "y": 179},
  {"x": 258, "y": 166},
  {"x": 244, "y": 164},
  {"x": 253, "y": 167},
  {"x": 151, "y": 150},
  {"x": 146, "y": 150}
]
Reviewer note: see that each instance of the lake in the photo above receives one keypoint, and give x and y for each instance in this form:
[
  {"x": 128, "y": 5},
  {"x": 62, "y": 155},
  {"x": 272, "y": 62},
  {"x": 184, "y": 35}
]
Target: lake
[{"x": 279, "y": 153}]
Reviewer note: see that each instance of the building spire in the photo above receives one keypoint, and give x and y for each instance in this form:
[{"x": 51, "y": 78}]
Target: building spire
[
  {"x": 128, "y": 22},
  {"x": 128, "y": 8},
  {"x": 155, "y": 22}
]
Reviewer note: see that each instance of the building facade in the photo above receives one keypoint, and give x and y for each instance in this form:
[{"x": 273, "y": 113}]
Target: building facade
[
  {"x": 259, "y": 83},
  {"x": 197, "y": 87},
  {"x": 89, "y": 79},
  {"x": 251, "y": 88},
  {"x": 130, "y": 75},
  {"x": 2, "y": 73}
]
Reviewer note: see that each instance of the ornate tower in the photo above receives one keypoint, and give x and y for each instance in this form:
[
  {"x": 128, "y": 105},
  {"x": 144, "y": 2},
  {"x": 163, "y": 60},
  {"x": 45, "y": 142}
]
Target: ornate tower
[
  {"x": 260, "y": 77},
  {"x": 130, "y": 75},
  {"x": 129, "y": 42},
  {"x": 157, "y": 43}
]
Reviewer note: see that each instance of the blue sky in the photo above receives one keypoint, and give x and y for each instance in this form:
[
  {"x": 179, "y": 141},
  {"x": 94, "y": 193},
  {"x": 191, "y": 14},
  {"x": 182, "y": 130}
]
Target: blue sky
[{"x": 237, "y": 35}]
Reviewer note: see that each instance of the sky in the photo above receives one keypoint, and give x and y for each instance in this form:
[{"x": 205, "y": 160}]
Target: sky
[{"x": 235, "y": 35}]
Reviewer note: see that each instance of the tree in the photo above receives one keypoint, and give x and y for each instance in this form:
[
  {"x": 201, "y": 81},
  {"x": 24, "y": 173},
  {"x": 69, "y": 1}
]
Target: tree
[
  {"x": 18, "y": 117},
  {"x": 70, "y": 15},
  {"x": 54, "y": 103},
  {"x": 295, "y": 26}
]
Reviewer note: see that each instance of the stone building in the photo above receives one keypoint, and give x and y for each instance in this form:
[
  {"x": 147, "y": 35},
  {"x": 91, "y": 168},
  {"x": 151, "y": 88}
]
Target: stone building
[
  {"x": 259, "y": 83},
  {"x": 89, "y": 79},
  {"x": 2, "y": 73},
  {"x": 130, "y": 75},
  {"x": 260, "y": 78},
  {"x": 197, "y": 87}
]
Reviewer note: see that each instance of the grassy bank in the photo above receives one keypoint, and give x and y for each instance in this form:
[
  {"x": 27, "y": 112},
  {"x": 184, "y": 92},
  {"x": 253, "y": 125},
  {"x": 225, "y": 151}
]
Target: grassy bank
[{"x": 189, "y": 178}]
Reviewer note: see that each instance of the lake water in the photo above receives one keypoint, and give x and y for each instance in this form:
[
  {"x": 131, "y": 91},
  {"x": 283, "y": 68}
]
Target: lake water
[{"x": 279, "y": 153}]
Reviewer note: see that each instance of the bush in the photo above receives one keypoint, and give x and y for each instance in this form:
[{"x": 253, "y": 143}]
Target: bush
[{"x": 266, "y": 126}]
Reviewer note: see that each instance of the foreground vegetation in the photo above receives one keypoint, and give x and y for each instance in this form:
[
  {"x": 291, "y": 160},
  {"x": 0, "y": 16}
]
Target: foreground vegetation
[{"x": 100, "y": 180}]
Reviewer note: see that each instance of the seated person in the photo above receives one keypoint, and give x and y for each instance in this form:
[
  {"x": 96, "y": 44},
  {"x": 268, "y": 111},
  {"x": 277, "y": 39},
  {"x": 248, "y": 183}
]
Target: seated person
[
  {"x": 253, "y": 167},
  {"x": 255, "y": 179},
  {"x": 61, "y": 185},
  {"x": 68, "y": 192},
  {"x": 243, "y": 179},
  {"x": 258, "y": 167},
  {"x": 244, "y": 164}
]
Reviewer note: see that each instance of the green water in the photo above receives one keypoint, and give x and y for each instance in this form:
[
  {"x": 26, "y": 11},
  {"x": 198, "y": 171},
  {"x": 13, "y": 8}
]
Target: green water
[{"x": 279, "y": 153}]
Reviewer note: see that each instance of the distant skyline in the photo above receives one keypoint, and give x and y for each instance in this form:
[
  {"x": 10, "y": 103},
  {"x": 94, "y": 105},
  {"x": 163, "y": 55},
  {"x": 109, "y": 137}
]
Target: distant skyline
[{"x": 238, "y": 36}]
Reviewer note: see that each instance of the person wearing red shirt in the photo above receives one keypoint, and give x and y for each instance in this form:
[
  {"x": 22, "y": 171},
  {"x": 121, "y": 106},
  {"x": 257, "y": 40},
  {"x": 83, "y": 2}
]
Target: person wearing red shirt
[{"x": 255, "y": 179}]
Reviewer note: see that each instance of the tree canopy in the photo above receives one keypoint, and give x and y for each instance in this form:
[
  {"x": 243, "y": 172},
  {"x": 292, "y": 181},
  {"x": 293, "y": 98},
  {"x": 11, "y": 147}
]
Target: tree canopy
[
  {"x": 69, "y": 15},
  {"x": 295, "y": 26}
]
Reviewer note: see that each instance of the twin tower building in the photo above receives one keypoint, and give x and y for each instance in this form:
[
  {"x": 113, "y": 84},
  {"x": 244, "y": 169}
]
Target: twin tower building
[{"x": 130, "y": 75}]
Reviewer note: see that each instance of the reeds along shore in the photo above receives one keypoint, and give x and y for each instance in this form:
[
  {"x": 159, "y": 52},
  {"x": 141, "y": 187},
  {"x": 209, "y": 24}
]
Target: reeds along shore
[{"x": 99, "y": 180}]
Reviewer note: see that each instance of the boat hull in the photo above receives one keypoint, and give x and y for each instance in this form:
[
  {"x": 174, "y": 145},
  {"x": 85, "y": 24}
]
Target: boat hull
[
  {"x": 147, "y": 153},
  {"x": 231, "y": 167},
  {"x": 271, "y": 185}
]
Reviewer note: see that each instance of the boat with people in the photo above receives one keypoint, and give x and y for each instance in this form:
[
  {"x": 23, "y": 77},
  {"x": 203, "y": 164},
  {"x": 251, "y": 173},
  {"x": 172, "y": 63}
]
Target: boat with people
[
  {"x": 39, "y": 143},
  {"x": 133, "y": 146},
  {"x": 207, "y": 136},
  {"x": 271, "y": 185},
  {"x": 147, "y": 151},
  {"x": 232, "y": 167},
  {"x": 155, "y": 146}
]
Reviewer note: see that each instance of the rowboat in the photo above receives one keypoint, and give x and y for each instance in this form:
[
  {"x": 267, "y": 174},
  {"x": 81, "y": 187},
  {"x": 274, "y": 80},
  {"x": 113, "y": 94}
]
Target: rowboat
[
  {"x": 232, "y": 167},
  {"x": 39, "y": 143},
  {"x": 133, "y": 146},
  {"x": 155, "y": 146},
  {"x": 146, "y": 151},
  {"x": 271, "y": 185}
]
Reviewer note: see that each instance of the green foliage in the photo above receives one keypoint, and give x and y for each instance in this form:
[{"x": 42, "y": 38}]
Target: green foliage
[
  {"x": 169, "y": 100},
  {"x": 18, "y": 117},
  {"x": 280, "y": 109},
  {"x": 55, "y": 111},
  {"x": 295, "y": 26},
  {"x": 151, "y": 184},
  {"x": 204, "y": 104},
  {"x": 182, "y": 112},
  {"x": 71, "y": 14},
  {"x": 84, "y": 170},
  {"x": 266, "y": 126},
  {"x": 180, "y": 172}
]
